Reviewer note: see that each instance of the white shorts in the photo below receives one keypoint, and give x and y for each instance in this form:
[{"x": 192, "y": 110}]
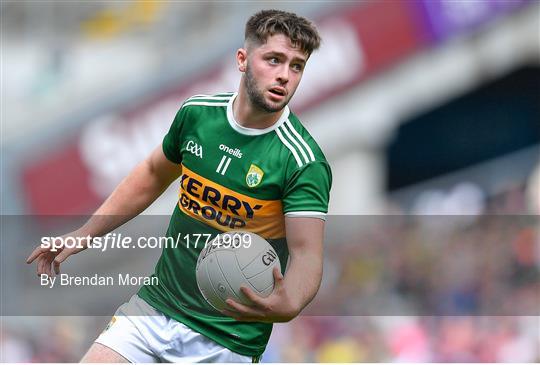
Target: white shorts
[{"x": 140, "y": 333}]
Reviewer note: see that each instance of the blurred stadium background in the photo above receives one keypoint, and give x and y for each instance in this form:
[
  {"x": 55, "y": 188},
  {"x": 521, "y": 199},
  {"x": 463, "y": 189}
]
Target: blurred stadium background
[{"x": 425, "y": 107}]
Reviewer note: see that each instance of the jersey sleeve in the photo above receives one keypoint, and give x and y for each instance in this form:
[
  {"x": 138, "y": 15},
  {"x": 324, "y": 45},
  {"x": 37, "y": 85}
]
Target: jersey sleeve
[
  {"x": 308, "y": 191},
  {"x": 173, "y": 139}
]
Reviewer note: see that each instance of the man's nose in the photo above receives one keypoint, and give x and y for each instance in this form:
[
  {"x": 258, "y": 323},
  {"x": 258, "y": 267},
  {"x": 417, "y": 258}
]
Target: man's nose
[{"x": 283, "y": 74}]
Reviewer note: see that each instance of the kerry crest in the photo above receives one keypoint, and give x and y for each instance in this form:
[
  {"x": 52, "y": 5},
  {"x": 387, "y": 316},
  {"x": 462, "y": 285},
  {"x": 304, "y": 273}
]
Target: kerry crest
[{"x": 254, "y": 176}]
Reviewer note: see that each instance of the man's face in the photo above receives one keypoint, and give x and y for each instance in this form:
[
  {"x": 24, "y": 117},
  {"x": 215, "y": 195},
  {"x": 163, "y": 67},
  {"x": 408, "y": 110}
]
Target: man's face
[{"x": 273, "y": 72}]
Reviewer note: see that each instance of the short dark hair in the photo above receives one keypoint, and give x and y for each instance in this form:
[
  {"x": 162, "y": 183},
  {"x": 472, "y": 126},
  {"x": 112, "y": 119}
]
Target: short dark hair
[{"x": 299, "y": 30}]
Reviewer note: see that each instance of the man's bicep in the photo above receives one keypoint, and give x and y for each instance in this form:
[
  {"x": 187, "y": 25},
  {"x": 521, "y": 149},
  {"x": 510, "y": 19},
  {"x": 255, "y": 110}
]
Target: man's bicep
[
  {"x": 161, "y": 167},
  {"x": 304, "y": 235}
]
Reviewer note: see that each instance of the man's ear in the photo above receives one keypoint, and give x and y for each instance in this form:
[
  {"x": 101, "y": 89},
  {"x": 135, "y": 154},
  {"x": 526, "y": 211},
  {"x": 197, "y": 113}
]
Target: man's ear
[{"x": 241, "y": 59}]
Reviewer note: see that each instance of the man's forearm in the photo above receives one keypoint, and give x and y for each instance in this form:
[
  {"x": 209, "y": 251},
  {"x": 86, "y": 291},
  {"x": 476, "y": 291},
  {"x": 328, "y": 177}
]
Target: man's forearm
[{"x": 303, "y": 279}]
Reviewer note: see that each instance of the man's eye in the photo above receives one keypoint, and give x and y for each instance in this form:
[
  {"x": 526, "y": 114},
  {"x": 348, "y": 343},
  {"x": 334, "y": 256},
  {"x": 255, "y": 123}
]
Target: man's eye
[
  {"x": 297, "y": 67},
  {"x": 273, "y": 60}
]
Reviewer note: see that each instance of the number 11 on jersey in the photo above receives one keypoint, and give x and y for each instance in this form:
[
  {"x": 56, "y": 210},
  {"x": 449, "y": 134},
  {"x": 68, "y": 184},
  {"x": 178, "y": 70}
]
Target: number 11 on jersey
[{"x": 223, "y": 165}]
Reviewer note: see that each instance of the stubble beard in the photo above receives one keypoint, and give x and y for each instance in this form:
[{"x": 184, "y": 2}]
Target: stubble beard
[{"x": 256, "y": 96}]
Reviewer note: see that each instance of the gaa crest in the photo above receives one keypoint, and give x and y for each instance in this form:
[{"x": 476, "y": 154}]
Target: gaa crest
[{"x": 254, "y": 176}]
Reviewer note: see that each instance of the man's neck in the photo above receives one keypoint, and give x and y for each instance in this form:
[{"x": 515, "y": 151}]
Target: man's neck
[{"x": 248, "y": 116}]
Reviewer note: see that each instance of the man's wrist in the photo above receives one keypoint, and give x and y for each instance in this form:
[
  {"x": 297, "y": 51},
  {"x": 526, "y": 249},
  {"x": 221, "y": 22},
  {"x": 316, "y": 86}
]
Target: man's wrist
[{"x": 86, "y": 237}]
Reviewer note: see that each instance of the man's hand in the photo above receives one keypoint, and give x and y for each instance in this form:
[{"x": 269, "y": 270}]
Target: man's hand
[
  {"x": 277, "y": 307},
  {"x": 304, "y": 274},
  {"x": 53, "y": 256}
]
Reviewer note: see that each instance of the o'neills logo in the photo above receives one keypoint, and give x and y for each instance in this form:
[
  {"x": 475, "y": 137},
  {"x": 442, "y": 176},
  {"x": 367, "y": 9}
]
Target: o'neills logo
[
  {"x": 235, "y": 152},
  {"x": 226, "y": 209}
]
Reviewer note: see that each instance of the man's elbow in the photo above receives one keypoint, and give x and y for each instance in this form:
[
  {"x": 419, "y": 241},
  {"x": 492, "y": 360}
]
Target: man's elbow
[{"x": 299, "y": 305}]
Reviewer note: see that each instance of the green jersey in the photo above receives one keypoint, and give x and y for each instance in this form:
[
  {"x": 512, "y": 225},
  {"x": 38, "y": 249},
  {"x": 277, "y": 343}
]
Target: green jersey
[{"x": 232, "y": 178}]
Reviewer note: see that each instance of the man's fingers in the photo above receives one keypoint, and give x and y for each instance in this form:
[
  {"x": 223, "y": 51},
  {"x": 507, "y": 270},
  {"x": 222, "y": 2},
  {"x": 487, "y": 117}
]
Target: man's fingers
[
  {"x": 44, "y": 265},
  {"x": 243, "y": 318},
  {"x": 232, "y": 314},
  {"x": 240, "y": 318},
  {"x": 61, "y": 257},
  {"x": 58, "y": 260},
  {"x": 47, "y": 268},
  {"x": 242, "y": 308},
  {"x": 38, "y": 251},
  {"x": 40, "y": 265},
  {"x": 37, "y": 267},
  {"x": 250, "y": 294},
  {"x": 236, "y": 306},
  {"x": 56, "y": 267},
  {"x": 48, "y": 261},
  {"x": 278, "y": 278}
]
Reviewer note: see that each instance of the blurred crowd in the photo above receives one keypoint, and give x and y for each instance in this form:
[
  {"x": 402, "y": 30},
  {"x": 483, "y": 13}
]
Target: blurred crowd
[
  {"x": 406, "y": 339},
  {"x": 47, "y": 339}
]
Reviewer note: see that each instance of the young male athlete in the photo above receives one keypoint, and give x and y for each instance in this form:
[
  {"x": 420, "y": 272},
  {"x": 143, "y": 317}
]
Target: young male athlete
[{"x": 245, "y": 163}]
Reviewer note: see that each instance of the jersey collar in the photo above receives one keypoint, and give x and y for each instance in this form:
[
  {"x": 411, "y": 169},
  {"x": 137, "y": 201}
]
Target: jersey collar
[{"x": 253, "y": 131}]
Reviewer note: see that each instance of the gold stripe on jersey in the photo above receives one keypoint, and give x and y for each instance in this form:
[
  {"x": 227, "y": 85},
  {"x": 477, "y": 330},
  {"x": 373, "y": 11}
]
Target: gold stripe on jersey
[{"x": 226, "y": 209}]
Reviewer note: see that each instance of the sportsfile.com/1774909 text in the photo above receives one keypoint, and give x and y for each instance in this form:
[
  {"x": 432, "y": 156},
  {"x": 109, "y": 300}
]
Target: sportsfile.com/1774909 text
[{"x": 118, "y": 240}]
